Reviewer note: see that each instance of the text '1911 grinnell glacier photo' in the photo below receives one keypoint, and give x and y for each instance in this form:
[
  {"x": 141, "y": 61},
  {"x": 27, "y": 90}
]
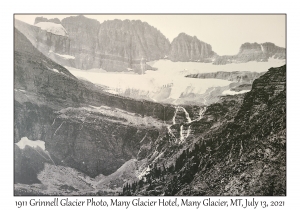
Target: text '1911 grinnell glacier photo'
[{"x": 149, "y": 105}]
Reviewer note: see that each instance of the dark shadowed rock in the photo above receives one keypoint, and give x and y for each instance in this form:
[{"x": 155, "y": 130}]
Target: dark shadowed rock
[{"x": 239, "y": 147}]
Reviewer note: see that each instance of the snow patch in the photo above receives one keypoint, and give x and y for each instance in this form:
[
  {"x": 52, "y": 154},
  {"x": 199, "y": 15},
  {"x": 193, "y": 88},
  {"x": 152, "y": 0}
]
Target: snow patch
[
  {"x": 55, "y": 70},
  {"x": 230, "y": 92},
  {"x": 27, "y": 142},
  {"x": 53, "y": 28},
  {"x": 67, "y": 57},
  {"x": 21, "y": 90}
]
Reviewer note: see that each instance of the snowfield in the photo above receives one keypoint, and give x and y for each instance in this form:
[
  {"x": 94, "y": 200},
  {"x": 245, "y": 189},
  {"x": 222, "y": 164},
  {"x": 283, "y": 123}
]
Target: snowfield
[
  {"x": 168, "y": 83},
  {"x": 27, "y": 142},
  {"x": 53, "y": 28}
]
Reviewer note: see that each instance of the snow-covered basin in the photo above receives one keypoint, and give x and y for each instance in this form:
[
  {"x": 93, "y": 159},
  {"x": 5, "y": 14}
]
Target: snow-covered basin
[
  {"x": 170, "y": 74},
  {"x": 152, "y": 81},
  {"x": 27, "y": 142}
]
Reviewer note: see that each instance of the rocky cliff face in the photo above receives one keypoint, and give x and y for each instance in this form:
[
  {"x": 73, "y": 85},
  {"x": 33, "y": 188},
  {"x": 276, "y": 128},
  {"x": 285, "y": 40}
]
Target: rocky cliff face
[
  {"x": 83, "y": 38},
  {"x": 129, "y": 41},
  {"x": 236, "y": 76},
  {"x": 98, "y": 140},
  {"x": 188, "y": 48},
  {"x": 253, "y": 52},
  {"x": 113, "y": 45}
]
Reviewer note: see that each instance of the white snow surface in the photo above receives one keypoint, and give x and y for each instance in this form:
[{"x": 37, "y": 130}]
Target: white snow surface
[
  {"x": 60, "y": 72},
  {"x": 66, "y": 56},
  {"x": 27, "y": 142},
  {"x": 169, "y": 75},
  {"x": 151, "y": 81},
  {"x": 55, "y": 70},
  {"x": 53, "y": 28},
  {"x": 230, "y": 92}
]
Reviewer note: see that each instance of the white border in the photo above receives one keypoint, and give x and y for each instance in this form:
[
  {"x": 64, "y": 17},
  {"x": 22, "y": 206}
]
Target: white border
[{"x": 8, "y": 8}]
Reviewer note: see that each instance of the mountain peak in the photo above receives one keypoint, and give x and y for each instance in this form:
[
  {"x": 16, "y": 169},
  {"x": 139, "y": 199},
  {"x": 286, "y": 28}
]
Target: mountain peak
[
  {"x": 189, "y": 48},
  {"x": 42, "y": 19}
]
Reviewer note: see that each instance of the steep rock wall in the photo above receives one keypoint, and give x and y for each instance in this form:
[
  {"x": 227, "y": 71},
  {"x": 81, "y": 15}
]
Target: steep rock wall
[{"x": 188, "y": 48}]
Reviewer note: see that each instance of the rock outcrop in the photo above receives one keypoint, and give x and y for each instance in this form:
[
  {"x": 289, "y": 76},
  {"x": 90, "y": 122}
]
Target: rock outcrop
[
  {"x": 128, "y": 42},
  {"x": 235, "y": 76},
  {"x": 42, "y": 19},
  {"x": 188, "y": 48},
  {"x": 253, "y": 52}
]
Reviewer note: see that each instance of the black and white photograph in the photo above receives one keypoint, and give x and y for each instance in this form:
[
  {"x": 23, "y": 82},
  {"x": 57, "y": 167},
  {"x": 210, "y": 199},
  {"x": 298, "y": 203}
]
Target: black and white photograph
[{"x": 149, "y": 105}]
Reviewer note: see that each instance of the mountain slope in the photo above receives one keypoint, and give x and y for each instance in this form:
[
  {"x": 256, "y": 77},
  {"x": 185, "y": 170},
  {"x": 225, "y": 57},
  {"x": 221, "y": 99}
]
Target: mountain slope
[
  {"x": 244, "y": 155},
  {"x": 82, "y": 127}
]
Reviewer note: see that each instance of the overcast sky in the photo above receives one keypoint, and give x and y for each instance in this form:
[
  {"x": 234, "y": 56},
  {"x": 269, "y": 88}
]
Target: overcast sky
[{"x": 225, "y": 33}]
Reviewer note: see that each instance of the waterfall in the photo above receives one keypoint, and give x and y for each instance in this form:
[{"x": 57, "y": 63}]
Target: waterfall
[
  {"x": 58, "y": 127},
  {"x": 143, "y": 138},
  {"x": 189, "y": 131},
  {"x": 186, "y": 115},
  {"x": 181, "y": 133},
  {"x": 262, "y": 48},
  {"x": 184, "y": 134},
  {"x": 201, "y": 112},
  {"x": 174, "y": 122},
  {"x": 50, "y": 157},
  {"x": 170, "y": 131}
]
